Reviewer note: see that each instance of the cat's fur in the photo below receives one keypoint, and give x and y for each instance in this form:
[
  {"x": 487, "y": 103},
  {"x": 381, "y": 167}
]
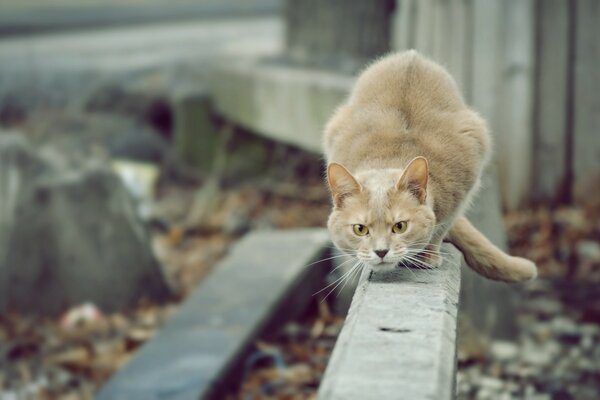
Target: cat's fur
[{"x": 405, "y": 147}]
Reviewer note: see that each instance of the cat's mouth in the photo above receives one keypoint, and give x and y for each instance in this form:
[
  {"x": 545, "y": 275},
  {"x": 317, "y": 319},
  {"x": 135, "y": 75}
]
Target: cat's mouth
[
  {"x": 383, "y": 265},
  {"x": 390, "y": 260}
]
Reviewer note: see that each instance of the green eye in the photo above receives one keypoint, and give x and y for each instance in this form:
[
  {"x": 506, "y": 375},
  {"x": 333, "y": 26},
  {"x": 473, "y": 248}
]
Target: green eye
[
  {"x": 360, "y": 230},
  {"x": 400, "y": 227}
]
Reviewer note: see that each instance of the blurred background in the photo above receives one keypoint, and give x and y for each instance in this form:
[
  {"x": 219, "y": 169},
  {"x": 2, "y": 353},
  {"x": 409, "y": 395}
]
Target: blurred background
[{"x": 140, "y": 139}]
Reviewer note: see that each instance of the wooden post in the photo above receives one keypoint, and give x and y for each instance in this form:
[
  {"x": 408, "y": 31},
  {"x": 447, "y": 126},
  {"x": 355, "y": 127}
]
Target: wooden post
[
  {"x": 550, "y": 129},
  {"x": 586, "y": 132}
]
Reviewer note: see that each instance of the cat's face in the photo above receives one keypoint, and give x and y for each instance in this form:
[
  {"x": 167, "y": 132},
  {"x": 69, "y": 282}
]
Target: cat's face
[{"x": 381, "y": 217}]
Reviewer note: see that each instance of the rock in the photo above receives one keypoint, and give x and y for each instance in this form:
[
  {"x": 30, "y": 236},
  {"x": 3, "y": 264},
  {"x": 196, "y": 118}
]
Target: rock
[
  {"x": 82, "y": 136},
  {"x": 566, "y": 330},
  {"x": 588, "y": 329},
  {"x": 587, "y": 343},
  {"x": 146, "y": 99},
  {"x": 540, "y": 355},
  {"x": 504, "y": 350},
  {"x": 541, "y": 331},
  {"x": 68, "y": 237},
  {"x": 485, "y": 394},
  {"x": 545, "y": 307},
  {"x": 491, "y": 383},
  {"x": 19, "y": 165},
  {"x": 588, "y": 251},
  {"x": 236, "y": 223}
]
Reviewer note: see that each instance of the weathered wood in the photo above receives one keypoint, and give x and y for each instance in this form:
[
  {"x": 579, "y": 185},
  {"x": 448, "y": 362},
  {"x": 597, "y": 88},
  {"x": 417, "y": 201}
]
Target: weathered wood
[
  {"x": 486, "y": 55},
  {"x": 264, "y": 282},
  {"x": 403, "y": 27},
  {"x": 502, "y": 85},
  {"x": 550, "y": 130},
  {"x": 459, "y": 45},
  {"x": 441, "y": 29},
  {"x": 488, "y": 306},
  {"x": 399, "y": 338},
  {"x": 515, "y": 126},
  {"x": 337, "y": 33},
  {"x": 424, "y": 29},
  {"x": 586, "y": 129}
]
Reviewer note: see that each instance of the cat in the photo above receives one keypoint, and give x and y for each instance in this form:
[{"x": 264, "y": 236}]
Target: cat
[{"x": 405, "y": 156}]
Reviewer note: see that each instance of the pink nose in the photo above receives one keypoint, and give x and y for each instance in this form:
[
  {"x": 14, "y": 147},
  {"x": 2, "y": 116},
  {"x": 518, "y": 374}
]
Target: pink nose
[{"x": 381, "y": 253}]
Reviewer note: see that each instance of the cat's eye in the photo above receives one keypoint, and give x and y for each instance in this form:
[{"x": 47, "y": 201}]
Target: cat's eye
[
  {"x": 400, "y": 227},
  {"x": 360, "y": 230}
]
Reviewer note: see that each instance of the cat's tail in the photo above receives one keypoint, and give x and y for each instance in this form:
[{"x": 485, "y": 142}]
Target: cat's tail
[{"x": 485, "y": 258}]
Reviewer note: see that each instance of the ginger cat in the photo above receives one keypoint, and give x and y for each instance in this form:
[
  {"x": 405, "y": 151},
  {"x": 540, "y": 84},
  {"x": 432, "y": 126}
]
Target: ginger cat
[{"x": 405, "y": 156}]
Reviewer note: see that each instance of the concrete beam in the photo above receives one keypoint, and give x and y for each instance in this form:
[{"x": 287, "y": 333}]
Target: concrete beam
[
  {"x": 399, "y": 339},
  {"x": 263, "y": 283},
  {"x": 284, "y": 103}
]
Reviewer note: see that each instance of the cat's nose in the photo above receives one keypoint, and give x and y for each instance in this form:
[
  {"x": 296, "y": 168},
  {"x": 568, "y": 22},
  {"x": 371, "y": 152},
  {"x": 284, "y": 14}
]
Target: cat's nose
[{"x": 381, "y": 253}]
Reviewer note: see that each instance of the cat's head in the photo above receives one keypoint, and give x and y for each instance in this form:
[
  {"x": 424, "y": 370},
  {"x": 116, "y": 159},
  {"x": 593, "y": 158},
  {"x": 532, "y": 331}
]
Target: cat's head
[{"x": 382, "y": 217}]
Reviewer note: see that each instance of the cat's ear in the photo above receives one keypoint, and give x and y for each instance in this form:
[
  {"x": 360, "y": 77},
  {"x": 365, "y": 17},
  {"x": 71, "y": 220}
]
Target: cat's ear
[
  {"x": 341, "y": 182},
  {"x": 414, "y": 178}
]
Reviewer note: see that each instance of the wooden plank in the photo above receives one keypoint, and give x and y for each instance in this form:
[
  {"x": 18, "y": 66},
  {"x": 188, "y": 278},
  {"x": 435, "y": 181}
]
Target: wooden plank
[
  {"x": 399, "y": 338},
  {"x": 261, "y": 284},
  {"x": 586, "y": 133},
  {"x": 550, "y": 136}
]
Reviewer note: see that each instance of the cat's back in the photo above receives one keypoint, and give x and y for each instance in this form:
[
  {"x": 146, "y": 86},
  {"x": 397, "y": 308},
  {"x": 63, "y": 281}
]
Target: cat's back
[
  {"x": 402, "y": 106},
  {"x": 407, "y": 82}
]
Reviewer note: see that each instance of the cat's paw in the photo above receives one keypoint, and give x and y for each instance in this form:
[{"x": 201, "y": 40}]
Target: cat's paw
[{"x": 431, "y": 257}]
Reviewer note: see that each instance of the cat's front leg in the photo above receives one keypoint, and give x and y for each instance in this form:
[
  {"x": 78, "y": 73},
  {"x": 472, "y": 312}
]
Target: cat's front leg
[{"x": 431, "y": 256}]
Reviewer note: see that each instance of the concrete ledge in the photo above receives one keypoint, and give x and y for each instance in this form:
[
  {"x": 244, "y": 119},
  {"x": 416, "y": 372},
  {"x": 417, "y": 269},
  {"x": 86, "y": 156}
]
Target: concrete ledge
[
  {"x": 264, "y": 282},
  {"x": 290, "y": 105},
  {"x": 399, "y": 339}
]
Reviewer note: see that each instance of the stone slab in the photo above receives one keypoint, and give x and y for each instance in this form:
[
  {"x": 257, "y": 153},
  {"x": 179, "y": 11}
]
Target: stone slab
[
  {"x": 286, "y": 104},
  {"x": 399, "y": 339},
  {"x": 263, "y": 282}
]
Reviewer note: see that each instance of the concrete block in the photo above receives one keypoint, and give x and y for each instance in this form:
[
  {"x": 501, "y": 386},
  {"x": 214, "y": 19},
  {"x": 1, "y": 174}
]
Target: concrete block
[
  {"x": 196, "y": 136},
  {"x": 399, "y": 338},
  {"x": 264, "y": 282},
  {"x": 286, "y": 104}
]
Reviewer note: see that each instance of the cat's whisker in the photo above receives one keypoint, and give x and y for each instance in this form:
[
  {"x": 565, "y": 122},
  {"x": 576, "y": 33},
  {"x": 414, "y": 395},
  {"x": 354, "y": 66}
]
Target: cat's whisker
[
  {"x": 334, "y": 247},
  {"x": 340, "y": 280},
  {"x": 448, "y": 260},
  {"x": 421, "y": 264},
  {"x": 408, "y": 268},
  {"x": 325, "y": 259},
  {"x": 337, "y": 279},
  {"x": 351, "y": 277},
  {"x": 342, "y": 264},
  {"x": 426, "y": 268}
]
